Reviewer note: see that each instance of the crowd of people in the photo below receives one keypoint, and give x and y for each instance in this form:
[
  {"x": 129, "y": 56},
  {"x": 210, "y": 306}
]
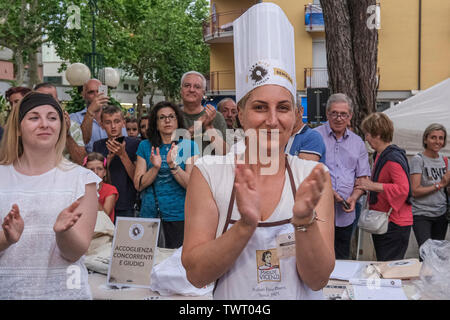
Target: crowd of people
[
  {"x": 141, "y": 171},
  {"x": 209, "y": 189}
]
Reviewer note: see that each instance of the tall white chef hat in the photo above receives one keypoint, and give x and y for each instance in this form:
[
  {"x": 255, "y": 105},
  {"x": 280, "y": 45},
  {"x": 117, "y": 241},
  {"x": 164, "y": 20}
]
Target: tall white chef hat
[{"x": 264, "y": 51}]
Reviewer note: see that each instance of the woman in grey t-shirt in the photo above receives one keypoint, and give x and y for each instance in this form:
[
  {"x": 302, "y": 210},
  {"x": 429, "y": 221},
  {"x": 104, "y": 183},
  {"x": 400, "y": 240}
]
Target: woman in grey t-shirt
[{"x": 429, "y": 179}]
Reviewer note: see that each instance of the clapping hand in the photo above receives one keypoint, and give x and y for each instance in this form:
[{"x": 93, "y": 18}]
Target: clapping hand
[
  {"x": 248, "y": 199},
  {"x": 155, "y": 158},
  {"x": 67, "y": 218},
  {"x": 445, "y": 179},
  {"x": 308, "y": 195},
  {"x": 172, "y": 154},
  {"x": 208, "y": 117},
  {"x": 13, "y": 225}
]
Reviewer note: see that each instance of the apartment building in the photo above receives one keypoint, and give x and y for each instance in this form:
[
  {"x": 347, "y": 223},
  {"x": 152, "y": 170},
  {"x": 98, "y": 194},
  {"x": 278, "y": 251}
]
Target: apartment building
[{"x": 413, "y": 49}]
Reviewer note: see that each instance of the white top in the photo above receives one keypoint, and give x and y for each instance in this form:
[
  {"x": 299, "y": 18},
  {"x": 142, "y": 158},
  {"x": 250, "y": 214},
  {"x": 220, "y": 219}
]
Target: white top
[
  {"x": 248, "y": 278},
  {"x": 33, "y": 268}
]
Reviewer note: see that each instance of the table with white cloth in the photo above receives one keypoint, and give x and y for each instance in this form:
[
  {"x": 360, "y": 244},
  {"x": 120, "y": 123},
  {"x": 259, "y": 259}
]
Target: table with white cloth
[
  {"x": 102, "y": 291},
  {"x": 343, "y": 289},
  {"x": 335, "y": 289}
]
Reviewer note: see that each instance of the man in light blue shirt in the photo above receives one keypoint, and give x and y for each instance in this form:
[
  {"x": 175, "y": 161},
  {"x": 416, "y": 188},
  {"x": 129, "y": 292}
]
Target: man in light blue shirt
[
  {"x": 90, "y": 117},
  {"x": 305, "y": 143},
  {"x": 348, "y": 160}
]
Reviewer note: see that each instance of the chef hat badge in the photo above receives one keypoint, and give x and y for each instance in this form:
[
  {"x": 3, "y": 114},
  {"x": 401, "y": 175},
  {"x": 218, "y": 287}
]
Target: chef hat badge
[{"x": 264, "y": 51}]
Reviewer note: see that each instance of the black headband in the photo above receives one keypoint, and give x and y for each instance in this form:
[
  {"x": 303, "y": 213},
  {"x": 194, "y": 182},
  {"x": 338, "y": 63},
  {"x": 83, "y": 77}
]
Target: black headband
[{"x": 36, "y": 99}]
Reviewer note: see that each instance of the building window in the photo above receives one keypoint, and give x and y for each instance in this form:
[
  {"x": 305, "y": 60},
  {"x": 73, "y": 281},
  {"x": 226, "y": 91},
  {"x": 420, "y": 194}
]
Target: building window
[
  {"x": 53, "y": 80},
  {"x": 125, "y": 86}
]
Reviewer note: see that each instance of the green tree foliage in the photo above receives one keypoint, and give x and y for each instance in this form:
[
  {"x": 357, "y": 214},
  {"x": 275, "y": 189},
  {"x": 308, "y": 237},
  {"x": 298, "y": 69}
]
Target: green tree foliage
[
  {"x": 23, "y": 30},
  {"x": 153, "y": 40}
]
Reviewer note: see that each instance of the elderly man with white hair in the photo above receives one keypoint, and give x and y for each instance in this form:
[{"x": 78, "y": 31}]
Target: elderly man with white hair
[{"x": 213, "y": 125}]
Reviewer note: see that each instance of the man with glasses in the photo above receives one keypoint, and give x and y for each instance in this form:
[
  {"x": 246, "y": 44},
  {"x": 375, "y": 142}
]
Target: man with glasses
[
  {"x": 90, "y": 117},
  {"x": 213, "y": 125},
  {"x": 347, "y": 159}
]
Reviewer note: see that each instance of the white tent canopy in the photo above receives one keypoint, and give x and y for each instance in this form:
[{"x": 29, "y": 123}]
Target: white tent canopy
[{"x": 413, "y": 115}]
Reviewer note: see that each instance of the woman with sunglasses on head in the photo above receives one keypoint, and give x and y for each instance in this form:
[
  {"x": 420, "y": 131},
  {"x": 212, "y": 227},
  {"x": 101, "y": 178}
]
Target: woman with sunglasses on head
[
  {"x": 162, "y": 171},
  {"x": 48, "y": 207}
]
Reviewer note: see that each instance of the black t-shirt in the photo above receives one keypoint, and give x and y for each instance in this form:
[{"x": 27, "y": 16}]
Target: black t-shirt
[
  {"x": 118, "y": 175},
  {"x": 1, "y": 133}
]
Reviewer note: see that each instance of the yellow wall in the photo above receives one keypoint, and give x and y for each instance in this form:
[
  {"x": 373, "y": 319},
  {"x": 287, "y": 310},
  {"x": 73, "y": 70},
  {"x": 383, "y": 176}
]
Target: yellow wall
[
  {"x": 398, "y": 45},
  {"x": 222, "y": 61},
  {"x": 398, "y": 52},
  {"x": 435, "y": 42},
  {"x": 295, "y": 11},
  {"x": 222, "y": 54}
]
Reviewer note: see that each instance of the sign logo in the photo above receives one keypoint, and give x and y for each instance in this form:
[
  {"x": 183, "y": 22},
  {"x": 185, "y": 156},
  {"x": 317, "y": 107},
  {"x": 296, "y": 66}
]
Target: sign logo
[
  {"x": 136, "y": 231},
  {"x": 259, "y": 73},
  {"x": 268, "y": 266}
]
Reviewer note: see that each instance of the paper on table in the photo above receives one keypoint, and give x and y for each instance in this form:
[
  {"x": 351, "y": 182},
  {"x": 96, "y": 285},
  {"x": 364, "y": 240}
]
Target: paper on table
[
  {"x": 345, "y": 270},
  {"x": 378, "y": 289}
]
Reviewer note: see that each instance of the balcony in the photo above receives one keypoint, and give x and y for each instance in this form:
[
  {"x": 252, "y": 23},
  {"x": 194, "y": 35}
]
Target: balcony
[
  {"x": 219, "y": 26},
  {"x": 316, "y": 78},
  {"x": 221, "y": 82},
  {"x": 314, "y": 18}
]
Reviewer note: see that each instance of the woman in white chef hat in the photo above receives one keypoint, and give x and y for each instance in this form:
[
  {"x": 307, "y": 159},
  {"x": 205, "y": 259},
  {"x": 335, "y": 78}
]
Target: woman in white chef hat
[{"x": 256, "y": 202}]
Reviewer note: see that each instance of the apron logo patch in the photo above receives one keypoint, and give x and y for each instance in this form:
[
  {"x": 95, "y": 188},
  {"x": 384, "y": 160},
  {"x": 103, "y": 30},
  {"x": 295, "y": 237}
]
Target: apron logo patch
[{"x": 268, "y": 265}]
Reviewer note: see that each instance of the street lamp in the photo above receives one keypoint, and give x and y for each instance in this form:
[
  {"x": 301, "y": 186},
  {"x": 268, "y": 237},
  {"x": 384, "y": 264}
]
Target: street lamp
[
  {"x": 77, "y": 74},
  {"x": 93, "y": 59},
  {"x": 109, "y": 76}
]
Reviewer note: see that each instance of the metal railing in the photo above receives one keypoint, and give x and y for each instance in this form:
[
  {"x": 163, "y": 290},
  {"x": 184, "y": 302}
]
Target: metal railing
[
  {"x": 220, "y": 23},
  {"x": 316, "y": 77}
]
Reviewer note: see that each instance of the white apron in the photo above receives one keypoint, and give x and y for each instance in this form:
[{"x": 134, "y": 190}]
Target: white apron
[{"x": 259, "y": 273}]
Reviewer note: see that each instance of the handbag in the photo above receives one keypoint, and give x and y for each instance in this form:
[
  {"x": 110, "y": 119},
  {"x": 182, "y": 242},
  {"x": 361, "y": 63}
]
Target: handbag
[{"x": 374, "y": 221}]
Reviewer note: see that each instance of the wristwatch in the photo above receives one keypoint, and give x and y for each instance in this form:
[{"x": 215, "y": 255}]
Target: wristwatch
[{"x": 437, "y": 186}]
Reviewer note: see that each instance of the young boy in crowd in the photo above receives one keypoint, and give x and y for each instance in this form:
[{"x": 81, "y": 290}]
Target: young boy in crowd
[
  {"x": 131, "y": 124},
  {"x": 120, "y": 153}
]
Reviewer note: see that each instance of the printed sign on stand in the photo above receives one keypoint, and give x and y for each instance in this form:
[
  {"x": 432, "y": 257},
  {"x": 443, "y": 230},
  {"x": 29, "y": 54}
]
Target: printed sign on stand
[{"x": 133, "y": 252}]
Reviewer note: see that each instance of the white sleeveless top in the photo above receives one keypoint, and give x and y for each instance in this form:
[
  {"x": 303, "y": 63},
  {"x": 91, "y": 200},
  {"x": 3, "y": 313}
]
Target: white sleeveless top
[
  {"x": 33, "y": 268},
  {"x": 250, "y": 277}
]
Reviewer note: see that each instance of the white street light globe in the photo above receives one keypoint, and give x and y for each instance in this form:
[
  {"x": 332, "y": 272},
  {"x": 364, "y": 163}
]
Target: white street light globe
[
  {"x": 77, "y": 74},
  {"x": 110, "y": 77}
]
